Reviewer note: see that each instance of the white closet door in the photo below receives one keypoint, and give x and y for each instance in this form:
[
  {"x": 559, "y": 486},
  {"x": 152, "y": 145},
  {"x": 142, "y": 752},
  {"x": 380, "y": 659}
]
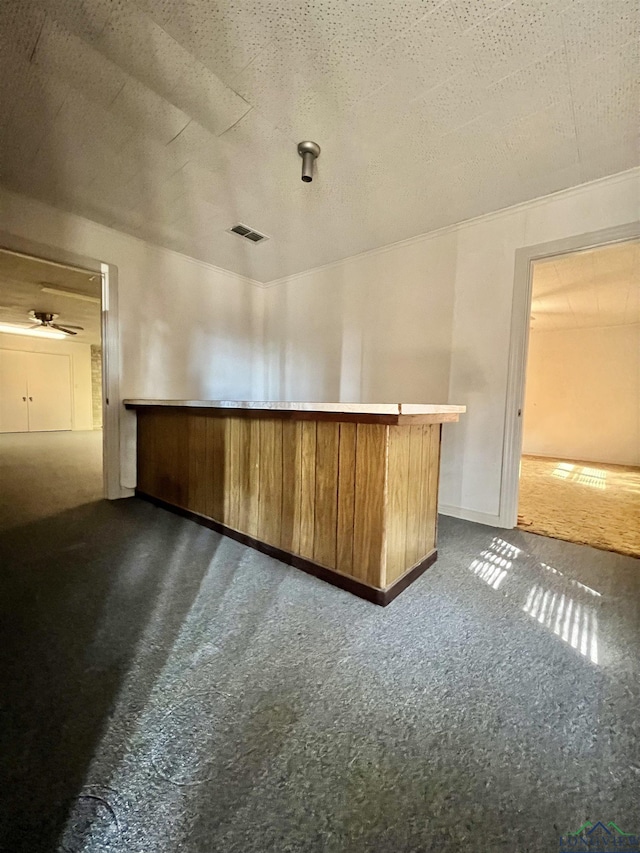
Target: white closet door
[
  {"x": 49, "y": 387},
  {"x": 14, "y": 415}
]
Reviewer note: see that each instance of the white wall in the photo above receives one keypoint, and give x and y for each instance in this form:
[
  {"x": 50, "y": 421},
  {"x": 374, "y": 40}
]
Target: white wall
[
  {"x": 583, "y": 394},
  {"x": 375, "y": 328},
  {"x": 472, "y": 452},
  {"x": 187, "y": 330},
  {"x": 411, "y": 304},
  {"x": 82, "y": 417}
]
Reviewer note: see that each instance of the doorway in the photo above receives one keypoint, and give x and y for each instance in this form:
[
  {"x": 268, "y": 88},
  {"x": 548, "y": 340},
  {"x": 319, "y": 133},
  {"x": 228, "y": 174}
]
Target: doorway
[
  {"x": 50, "y": 429},
  {"x": 580, "y": 463}
]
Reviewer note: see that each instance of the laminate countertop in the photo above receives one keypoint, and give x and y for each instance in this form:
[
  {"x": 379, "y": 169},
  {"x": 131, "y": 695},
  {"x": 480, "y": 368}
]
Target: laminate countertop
[{"x": 298, "y": 406}]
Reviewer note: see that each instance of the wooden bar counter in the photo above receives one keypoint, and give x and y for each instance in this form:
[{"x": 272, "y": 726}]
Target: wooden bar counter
[{"x": 347, "y": 492}]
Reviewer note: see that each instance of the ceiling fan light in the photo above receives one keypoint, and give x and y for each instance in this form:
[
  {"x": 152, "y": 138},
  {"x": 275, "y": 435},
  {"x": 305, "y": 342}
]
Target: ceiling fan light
[{"x": 9, "y": 329}]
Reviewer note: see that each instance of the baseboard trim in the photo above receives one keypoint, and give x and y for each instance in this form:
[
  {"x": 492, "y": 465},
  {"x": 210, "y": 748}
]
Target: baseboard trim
[
  {"x": 382, "y": 597},
  {"x": 552, "y": 457},
  {"x": 470, "y": 515},
  {"x": 407, "y": 579}
]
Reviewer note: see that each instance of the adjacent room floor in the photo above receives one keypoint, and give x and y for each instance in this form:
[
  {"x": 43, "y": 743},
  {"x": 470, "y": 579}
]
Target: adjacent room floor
[
  {"x": 585, "y": 502},
  {"x": 167, "y": 689},
  {"x": 44, "y": 473}
]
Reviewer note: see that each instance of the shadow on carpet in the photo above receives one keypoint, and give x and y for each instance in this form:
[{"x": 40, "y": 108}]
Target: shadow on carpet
[{"x": 77, "y": 592}]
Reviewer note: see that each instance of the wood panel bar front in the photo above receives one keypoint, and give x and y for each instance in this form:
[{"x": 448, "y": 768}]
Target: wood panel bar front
[{"x": 352, "y": 502}]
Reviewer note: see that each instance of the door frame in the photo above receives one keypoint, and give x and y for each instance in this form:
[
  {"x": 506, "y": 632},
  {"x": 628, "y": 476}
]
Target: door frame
[
  {"x": 519, "y": 347},
  {"x": 112, "y": 410}
]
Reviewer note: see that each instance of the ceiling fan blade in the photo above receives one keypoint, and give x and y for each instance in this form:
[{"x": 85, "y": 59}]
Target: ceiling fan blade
[
  {"x": 62, "y": 329},
  {"x": 36, "y": 326},
  {"x": 69, "y": 326}
]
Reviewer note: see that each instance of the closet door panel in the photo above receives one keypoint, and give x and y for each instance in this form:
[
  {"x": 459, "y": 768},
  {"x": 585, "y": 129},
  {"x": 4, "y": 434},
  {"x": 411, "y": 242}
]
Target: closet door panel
[
  {"x": 14, "y": 415},
  {"x": 49, "y": 387}
]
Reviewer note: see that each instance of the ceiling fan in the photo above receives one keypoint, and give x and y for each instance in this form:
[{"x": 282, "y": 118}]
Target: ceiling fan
[{"x": 45, "y": 320}]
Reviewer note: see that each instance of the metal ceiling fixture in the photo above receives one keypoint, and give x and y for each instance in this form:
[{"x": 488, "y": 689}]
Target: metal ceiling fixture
[
  {"x": 309, "y": 151},
  {"x": 45, "y": 320}
]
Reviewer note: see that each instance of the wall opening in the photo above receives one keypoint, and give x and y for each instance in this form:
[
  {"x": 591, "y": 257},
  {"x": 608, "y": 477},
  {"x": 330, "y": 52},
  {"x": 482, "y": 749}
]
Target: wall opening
[
  {"x": 54, "y": 452},
  {"x": 580, "y": 464}
]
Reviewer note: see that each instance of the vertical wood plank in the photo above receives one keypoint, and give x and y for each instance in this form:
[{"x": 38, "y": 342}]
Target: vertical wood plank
[
  {"x": 166, "y": 443},
  {"x": 307, "y": 487},
  {"x": 397, "y": 502},
  {"x": 291, "y": 492},
  {"x": 270, "y": 506},
  {"x": 146, "y": 452},
  {"x": 414, "y": 507},
  {"x": 232, "y": 471},
  {"x": 215, "y": 463},
  {"x": 346, "y": 498},
  {"x": 182, "y": 472},
  {"x": 423, "y": 492},
  {"x": 434, "y": 477},
  {"x": 162, "y": 451},
  {"x": 159, "y": 477},
  {"x": 244, "y": 472},
  {"x": 197, "y": 426},
  {"x": 430, "y": 459},
  {"x": 326, "y": 515},
  {"x": 423, "y": 533},
  {"x": 154, "y": 467},
  {"x": 253, "y": 478},
  {"x": 369, "y": 532}
]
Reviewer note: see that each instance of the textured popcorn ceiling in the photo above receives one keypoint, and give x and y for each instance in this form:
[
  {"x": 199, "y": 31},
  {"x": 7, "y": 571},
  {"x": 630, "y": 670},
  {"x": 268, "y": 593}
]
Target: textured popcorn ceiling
[
  {"x": 175, "y": 119},
  {"x": 600, "y": 287}
]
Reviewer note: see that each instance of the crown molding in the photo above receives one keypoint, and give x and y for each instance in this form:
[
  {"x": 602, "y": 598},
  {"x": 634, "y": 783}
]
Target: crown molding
[{"x": 388, "y": 247}]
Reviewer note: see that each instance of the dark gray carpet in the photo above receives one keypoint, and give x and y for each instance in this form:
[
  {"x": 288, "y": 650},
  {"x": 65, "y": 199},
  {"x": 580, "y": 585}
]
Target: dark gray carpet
[{"x": 166, "y": 689}]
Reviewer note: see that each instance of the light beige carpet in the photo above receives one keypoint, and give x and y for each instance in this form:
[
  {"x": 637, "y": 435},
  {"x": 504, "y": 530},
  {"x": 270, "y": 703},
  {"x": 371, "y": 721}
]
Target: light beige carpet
[
  {"x": 43, "y": 474},
  {"x": 584, "y": 502}
]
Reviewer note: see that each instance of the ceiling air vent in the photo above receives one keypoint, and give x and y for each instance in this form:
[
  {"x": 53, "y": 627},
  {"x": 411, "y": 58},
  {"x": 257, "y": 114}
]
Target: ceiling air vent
[{"x": 248, "y": 233}]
